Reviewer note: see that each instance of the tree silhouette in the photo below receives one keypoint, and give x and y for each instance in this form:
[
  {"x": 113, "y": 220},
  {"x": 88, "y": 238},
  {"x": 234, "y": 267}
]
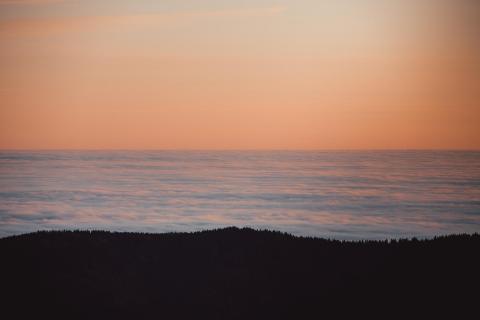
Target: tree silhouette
[{"x": 234, "y": 273}]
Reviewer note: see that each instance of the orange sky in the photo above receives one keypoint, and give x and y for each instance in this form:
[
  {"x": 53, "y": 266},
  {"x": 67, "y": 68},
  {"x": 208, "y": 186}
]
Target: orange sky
[{"x": 264, "y": 74}]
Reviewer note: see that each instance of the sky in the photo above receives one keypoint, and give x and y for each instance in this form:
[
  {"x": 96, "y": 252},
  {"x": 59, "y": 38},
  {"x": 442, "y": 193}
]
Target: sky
[{"x": 263, "y": 74}]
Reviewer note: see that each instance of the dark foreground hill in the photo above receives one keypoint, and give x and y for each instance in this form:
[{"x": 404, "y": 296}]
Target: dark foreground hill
[{"x": 235, "y": 274}]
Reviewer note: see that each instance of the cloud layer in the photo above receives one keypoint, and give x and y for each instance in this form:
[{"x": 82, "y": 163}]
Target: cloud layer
[{"x": 341, "y": 195}]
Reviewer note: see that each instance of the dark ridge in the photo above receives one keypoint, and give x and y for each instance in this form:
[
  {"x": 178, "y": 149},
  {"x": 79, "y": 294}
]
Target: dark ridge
[{"x": 235, "y": 273}]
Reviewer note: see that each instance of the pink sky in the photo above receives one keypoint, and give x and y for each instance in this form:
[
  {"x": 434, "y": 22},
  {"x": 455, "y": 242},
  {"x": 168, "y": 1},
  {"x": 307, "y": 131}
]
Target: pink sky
[{"x": 291, "y": 74}]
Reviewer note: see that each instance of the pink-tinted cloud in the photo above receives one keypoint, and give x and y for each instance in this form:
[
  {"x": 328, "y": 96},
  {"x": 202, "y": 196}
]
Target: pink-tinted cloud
[
  {"x": 29, "y": 2},
  {"x": 86, "y": 23}
]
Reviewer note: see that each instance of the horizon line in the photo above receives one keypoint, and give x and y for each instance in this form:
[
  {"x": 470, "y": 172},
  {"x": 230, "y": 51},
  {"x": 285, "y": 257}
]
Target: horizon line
[{"x": 239, "y": 149}]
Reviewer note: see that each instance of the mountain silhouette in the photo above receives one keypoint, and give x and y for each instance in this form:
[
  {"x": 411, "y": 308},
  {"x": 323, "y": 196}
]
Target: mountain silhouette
[{"x": 235, "y": 273}]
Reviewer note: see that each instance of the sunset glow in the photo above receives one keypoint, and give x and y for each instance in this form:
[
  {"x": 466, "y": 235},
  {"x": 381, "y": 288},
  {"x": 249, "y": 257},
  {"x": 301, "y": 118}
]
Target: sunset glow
[{"x": 286, "y": 74}]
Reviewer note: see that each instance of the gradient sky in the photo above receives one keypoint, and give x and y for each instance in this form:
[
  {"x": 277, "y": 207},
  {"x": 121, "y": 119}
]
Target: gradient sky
[{"x": 263, "y": 74}]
